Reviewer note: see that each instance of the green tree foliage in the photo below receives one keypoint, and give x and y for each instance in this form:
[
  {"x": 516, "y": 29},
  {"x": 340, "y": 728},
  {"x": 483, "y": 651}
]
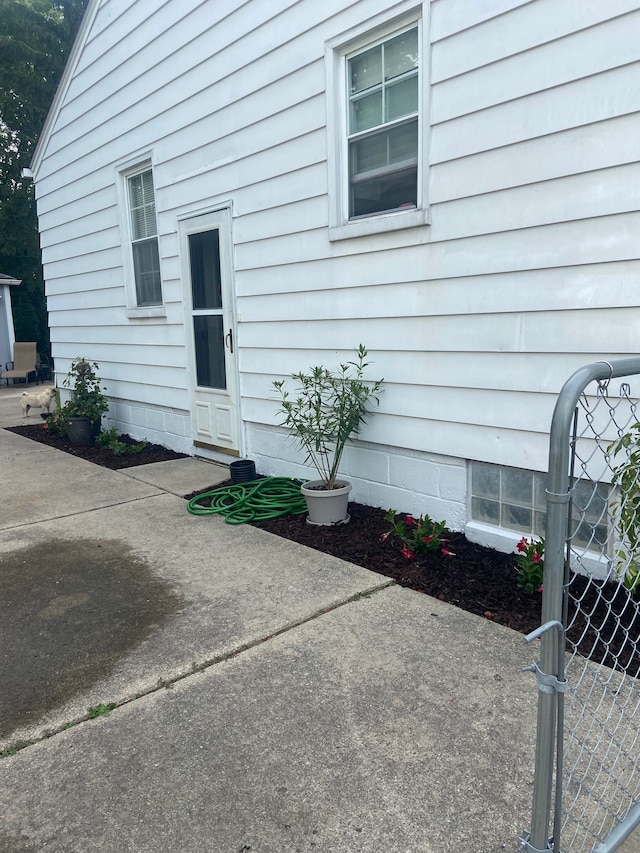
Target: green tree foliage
[{"x": 35, "y": 39}]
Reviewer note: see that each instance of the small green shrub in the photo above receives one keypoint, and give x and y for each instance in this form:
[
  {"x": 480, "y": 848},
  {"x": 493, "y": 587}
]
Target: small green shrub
[
  {"x": 55, "y": 423},
  {"x": 111, "y": 438},
  {"x": 327, "y": 409},
  {"x": 627, "y": 479}
]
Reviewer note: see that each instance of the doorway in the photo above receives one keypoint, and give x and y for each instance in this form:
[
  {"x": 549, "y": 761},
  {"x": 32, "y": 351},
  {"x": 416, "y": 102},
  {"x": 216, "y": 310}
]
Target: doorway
[{"x": 211, "y": 331}]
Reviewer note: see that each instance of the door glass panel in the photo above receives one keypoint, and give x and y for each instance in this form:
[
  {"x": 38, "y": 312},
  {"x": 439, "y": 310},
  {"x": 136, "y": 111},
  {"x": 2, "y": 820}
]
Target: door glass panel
[
  {"x": 206, "y": 285},
  {"x": 208, "y": 333}
]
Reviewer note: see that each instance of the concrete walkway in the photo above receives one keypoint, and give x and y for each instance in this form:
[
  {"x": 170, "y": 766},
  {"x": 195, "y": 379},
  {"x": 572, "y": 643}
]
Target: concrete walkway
[{"x": 269, "y": 698}]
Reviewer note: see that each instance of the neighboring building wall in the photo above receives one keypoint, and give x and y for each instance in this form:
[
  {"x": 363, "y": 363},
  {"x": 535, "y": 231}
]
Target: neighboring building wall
[
  {"x": 527, "y": 271},
  {"x": 7, "y": 335}
]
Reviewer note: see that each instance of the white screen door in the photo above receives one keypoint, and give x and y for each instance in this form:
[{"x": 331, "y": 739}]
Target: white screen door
[{"x": 211, "y": 336}]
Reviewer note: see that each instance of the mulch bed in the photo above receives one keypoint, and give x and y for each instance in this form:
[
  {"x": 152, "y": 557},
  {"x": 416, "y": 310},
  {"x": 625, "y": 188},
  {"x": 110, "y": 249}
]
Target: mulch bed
[{"x": 91, "y": 452}]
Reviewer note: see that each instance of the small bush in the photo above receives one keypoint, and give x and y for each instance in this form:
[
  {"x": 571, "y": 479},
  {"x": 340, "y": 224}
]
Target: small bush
[{"x": 111, "y": 438}]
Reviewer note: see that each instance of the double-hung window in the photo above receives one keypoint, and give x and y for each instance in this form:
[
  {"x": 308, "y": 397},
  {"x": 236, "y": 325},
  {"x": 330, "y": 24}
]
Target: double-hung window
[
  {"x": 383, "y": 126},
  {"x": 377, "y": 123},
  {"x": 144, "y": 238}
]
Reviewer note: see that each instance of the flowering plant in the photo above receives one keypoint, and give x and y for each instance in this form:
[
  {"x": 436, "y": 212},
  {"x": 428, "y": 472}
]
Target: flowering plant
[
  {"x": 530, "y": 563},
  {"x": 418, "y": 536}
]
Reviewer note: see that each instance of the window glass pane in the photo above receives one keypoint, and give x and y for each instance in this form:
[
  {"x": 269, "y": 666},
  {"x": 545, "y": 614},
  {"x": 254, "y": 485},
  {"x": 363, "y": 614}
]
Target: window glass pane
[
  {"x": 539, "y": 523},
  {"x": 485, "y": 480},
  {"x": 401, "y": 54},
  {"x": 365, "y": 70},
  {"x": 516, "y": 518},
  {"x": 485, "y": 510},
  {"x": 396, "y": 147},
  {"x": 135, "y": 191},
  {"x": 369, "y": 153},
  {"x": 401, "y": 99},
  {"x": 146, "y": 268},
  {"x": 208, "y": 334},
  {"x": 517, "y": 486},
  {"x": 539, "y": 493},
  {"x": 384, "y": 192},
  {"x": 403, "y": 143},
  {"x": 142, "y": 206},
  {"x": 383, "y": 87},
  {"x": 366, "y": 112},
  {"x": 204, "y": 255}
]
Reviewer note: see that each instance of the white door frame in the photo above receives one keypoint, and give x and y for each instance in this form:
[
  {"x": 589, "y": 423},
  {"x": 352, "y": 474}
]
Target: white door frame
[{"x": 215, "y": 413}]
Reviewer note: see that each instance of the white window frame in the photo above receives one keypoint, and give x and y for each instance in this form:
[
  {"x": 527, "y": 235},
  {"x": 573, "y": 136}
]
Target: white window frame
[
  {"x": 125, "y": 171},
  {"x": 337, "y": 51}
]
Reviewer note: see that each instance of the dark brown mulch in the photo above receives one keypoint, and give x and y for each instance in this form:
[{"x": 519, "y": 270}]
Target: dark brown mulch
[
  {"x": 91, "y": 452},
  {"x": 477, "y": 579}
]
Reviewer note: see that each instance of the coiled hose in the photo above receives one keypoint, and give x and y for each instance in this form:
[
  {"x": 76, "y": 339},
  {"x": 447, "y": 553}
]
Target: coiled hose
[{"x": 256, "y": 500}]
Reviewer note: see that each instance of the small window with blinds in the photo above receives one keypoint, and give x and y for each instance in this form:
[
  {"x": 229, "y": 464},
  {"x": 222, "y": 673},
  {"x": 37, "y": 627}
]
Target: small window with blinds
[{"x": 144, "y": 239}]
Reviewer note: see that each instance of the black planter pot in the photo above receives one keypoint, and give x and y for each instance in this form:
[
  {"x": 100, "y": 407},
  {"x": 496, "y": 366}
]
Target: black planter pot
[
  {"x": 82, "y": 430},
  {"x": 242, "y": 471}
]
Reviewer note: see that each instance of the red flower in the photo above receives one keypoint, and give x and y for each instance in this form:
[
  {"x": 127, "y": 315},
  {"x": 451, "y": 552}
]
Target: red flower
[
  {"x": 447, "y": 552},
  {"x": 45, "y": 425},
  {"x": 540, "y": 588},
  {"x": 409, "y": 520},
  {"x": 522, "y": 545},
  {"x": 536, "y": 557},
  {"x": 427, "y": 538},
  {"x": 407, "y": 553}
]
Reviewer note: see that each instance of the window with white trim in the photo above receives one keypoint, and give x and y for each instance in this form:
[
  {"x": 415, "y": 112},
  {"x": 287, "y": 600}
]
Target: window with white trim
[
  {"x": 377, "y": 123},
  {"x": 144, "y": 238},
  {"x": 382, "y": 125}
]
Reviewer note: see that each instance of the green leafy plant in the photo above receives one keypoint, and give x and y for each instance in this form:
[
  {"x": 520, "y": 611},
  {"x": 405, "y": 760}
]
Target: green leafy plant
[
  {"x": 328, "y": 408},
  {"x": 111, "y": 438},
  {"x": 626, "y": 476},
  {"x": 87, "y": 399},
  {"x": 419, "y": 535},
  {"x": 55, "y": 422},
  {"x": 100, "y": 710},
  {"x": 530, "y": 564}
]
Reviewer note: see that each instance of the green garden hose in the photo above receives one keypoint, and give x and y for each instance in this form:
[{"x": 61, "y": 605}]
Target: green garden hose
[{"x": 256, "y": 500}]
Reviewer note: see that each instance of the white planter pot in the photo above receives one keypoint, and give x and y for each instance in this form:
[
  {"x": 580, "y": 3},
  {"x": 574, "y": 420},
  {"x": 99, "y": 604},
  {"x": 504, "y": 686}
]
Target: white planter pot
[{"x": 326, "y": 506}]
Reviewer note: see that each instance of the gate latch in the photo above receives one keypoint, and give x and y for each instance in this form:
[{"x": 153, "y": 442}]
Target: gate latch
[{"x": 547, "y": 683}]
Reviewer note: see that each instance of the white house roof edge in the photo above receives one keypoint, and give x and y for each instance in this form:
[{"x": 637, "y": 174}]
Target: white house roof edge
[
  {"x": 9, "y": 279},
  {"x": 63, "y": 85}
]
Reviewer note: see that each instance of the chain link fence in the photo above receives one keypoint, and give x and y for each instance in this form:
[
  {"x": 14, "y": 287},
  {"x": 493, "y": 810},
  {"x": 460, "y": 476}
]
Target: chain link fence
[{"x": 587, "y": 785}]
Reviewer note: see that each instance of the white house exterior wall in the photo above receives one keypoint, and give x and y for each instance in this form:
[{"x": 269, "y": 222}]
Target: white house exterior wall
[{"x": 527, "y": 270}]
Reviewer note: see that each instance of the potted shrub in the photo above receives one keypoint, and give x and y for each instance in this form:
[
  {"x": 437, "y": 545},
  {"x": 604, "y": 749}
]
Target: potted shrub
[
  {"x": 327, "y": 409},
  {"x": 83, "y": 412}
]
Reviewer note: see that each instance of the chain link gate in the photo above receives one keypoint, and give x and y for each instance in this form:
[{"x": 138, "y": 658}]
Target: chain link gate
[{"x": 588, "y": 735}]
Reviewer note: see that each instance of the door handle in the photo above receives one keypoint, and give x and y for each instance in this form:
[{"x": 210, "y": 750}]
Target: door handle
[{"x": 228, "y": 341}]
